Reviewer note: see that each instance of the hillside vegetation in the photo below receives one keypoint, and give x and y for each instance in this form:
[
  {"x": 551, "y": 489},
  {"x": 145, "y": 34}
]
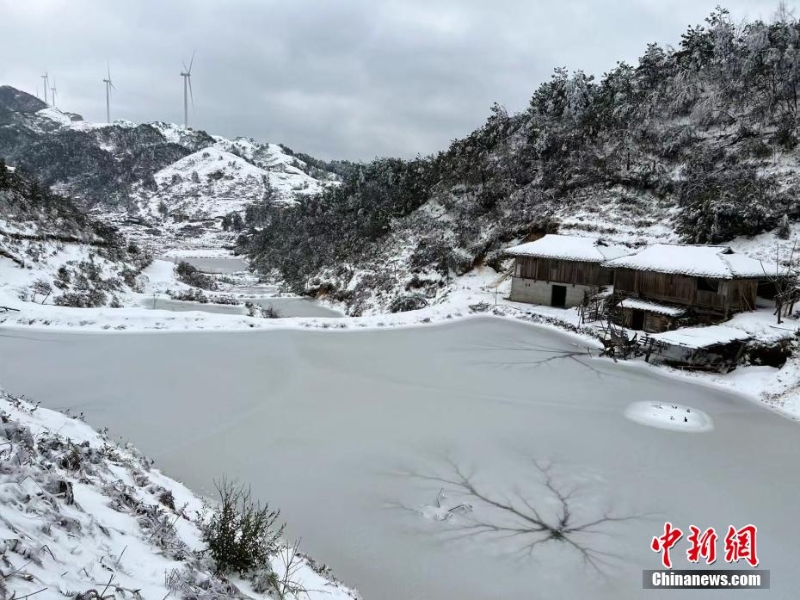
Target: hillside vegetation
[
  {"x": 51, "y": 249},
  {"x": 697, "y": 143}
]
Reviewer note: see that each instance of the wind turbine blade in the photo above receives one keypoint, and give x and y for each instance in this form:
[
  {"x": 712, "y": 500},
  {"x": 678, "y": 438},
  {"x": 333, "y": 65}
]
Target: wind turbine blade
[
  {"x": 108, "y": 70},
  {"x": 191, "y": 62},
  {"x": 185, "y": 68}
]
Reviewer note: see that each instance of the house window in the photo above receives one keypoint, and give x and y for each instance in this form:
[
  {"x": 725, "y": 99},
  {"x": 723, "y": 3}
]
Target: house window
[{"x": 708, "y": 285}]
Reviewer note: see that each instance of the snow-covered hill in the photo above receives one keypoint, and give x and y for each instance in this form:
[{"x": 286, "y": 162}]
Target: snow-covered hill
[
  {"x": 49, "y": 249},
  {"x": 132, "y": 169},
  {"x": 218, "y": 180},
  {"x": 83, "y": 517},
  {"x": 207, "y": 184}
]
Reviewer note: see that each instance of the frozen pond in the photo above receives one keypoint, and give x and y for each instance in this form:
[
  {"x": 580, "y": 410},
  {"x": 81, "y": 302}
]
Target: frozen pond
[
  {"x": 296, "y": 307},
  {"x": 286, "y": 307},
  {"x": 181, "y": 306},
  {"x": 214, "y": 265},
  {"x": 350, "y": 433}
]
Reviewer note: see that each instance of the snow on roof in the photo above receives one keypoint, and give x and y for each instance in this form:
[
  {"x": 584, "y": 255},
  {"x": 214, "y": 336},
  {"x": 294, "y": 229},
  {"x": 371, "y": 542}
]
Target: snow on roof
[
  {"x": 718, "y": 262},
  {"x": 569, "y": 247},
  {"x": 662, "y": 309},
  {"x": 701, "y": 337}
]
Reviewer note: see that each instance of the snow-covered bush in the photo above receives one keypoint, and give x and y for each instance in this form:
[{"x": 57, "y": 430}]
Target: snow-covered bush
[
  {"x": 190, "y": 275},
  {"x": 265, "y": 312},
  {"x": 241, "y": 534},
  {"x": 190, "y": 295},
  {"x": 408, "y": 302},
  {"x": 784, "y": 230},
  {"x": 81, "y": 299}
]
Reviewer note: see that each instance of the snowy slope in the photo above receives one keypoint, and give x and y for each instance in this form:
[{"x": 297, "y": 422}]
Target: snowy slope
[
  {"x": 207, "y": 184},
  {"x": 81, "y": 513},
  {"x": 276, "y": 159}
]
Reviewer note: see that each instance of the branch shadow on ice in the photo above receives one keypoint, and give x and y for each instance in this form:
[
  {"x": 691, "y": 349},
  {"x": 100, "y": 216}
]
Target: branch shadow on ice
[
  {"x": 542, "y": 510},
  {"x": 541, "y": 355}
]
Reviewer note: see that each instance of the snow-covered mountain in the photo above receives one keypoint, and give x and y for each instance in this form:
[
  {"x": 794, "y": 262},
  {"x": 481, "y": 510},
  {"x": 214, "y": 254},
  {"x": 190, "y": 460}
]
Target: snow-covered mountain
[{"x": 124, "y": 165}]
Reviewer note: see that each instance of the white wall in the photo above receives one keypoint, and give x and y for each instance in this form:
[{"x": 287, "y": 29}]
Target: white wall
[{"x": 533, "y": 291}]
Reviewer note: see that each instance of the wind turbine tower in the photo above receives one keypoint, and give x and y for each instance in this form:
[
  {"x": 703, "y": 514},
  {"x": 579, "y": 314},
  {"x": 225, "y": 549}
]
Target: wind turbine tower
[
  {"x": 187, "y": 90},
  {"x": 45, "y": 76},
  {"x": 54, "y": 92},
  {"x": 109, "y": 86}
]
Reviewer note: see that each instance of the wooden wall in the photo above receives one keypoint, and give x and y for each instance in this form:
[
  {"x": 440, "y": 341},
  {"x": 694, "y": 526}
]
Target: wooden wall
[
  {"x": 731, "y": 294},
  {"x": 562, "y": 271},
  {"x": 742, "y": 294},
  {"x": 653, "y": 322}
]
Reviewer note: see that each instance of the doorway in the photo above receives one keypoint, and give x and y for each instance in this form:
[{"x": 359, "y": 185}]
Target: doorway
[
  {"x": 637, "y": 320},
  {"x": 559, "y": 297}
]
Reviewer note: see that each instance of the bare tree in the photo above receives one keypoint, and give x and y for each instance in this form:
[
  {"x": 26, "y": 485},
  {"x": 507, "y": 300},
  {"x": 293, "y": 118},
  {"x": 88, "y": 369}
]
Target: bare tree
[
  {"x": 785, "y": 284},
  {"x": 289, "y": 585},
  {"x": 43, "y": 287},
  {"x": 547, "y": 516}
]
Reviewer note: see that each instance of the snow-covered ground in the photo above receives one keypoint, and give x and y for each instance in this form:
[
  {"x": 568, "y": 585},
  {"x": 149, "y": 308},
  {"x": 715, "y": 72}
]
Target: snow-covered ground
[{"x": 81, "y": 513}]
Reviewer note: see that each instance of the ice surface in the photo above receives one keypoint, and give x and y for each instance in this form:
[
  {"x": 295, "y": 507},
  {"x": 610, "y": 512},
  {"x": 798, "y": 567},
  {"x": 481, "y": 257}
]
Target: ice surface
[
  {"x": 214, "y": 264},
  {"x": 339, "y": 428}
]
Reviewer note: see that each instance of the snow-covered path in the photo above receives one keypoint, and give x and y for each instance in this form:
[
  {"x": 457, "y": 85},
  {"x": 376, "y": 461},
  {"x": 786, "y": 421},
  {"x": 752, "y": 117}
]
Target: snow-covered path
[{"x": 336, "y": 428}]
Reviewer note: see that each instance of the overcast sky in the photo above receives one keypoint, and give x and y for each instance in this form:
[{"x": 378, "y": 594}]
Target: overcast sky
[{"x": 348, "y": 79}]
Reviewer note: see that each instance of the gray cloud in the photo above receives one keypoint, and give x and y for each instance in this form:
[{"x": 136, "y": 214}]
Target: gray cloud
[{"x": 334, "y": 78}]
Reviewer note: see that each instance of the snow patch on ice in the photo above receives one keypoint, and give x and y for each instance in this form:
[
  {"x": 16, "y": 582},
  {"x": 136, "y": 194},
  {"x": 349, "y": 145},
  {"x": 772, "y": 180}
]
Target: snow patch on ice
[{"x": 676, "y": 417}]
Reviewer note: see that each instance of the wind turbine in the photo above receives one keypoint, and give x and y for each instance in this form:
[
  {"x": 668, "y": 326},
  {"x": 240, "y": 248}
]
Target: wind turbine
[
  {"x": 45, "y": 76},
  {"x": 187, "y": 90},
  {"x": 109, "y": 86},
  {"x": 54, "y": 92}
]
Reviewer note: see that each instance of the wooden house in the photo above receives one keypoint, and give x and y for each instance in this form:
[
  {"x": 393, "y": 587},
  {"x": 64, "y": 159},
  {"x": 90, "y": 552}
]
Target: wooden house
[
  {"x": 560, "y": 270},
  {"x": 662, "y": 284}
]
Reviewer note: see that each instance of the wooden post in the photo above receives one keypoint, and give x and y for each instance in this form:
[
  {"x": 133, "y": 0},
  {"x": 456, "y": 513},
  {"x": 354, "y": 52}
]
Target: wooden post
[{"x": 650, "y": 343}]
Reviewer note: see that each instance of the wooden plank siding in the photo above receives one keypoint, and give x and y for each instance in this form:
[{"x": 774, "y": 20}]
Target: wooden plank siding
[
  {"x": 731, "y": 294},
  {"x": 562, "y": 271},
  {"x": 742, "y": 294},
  {"x": 653, "y": 322}
]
